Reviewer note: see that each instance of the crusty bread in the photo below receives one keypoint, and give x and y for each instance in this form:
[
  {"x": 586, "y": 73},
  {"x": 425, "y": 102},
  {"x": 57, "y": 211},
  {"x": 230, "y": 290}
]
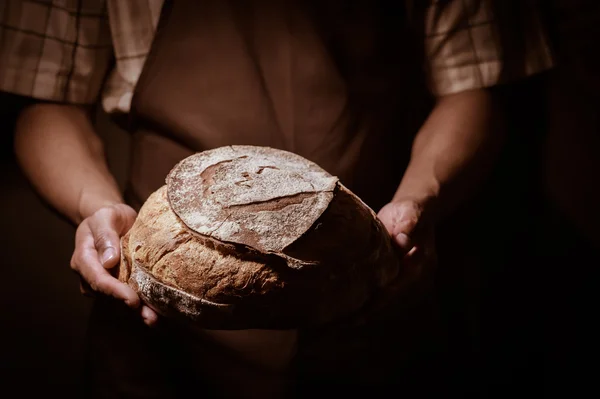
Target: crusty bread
[{"x": 247, "y": 237}]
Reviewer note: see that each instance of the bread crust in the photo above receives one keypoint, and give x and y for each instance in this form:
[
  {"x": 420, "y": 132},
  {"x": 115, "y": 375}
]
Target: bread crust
[{"x": 300, "y": 249}]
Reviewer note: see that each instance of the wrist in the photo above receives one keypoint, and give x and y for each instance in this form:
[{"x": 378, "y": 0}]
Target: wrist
[
  {"x": 424, "y": 196},
  {"x": 91, "y": 202},
  {"x": 419, "y": 190}
]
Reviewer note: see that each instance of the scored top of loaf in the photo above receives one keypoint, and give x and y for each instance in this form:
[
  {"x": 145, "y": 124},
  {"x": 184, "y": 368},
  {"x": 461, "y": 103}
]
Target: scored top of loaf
[{"x": 256, "y": 196}]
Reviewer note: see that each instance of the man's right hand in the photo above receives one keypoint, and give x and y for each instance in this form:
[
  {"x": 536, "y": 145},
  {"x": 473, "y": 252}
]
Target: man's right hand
[{"x": 97, "y": 251}]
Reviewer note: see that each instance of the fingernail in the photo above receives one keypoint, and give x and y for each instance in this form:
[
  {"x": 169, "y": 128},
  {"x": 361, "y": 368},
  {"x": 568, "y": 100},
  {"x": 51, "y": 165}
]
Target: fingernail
[
  {"x": 108, "y": 254},
  {"x": 402, "y": 240}
]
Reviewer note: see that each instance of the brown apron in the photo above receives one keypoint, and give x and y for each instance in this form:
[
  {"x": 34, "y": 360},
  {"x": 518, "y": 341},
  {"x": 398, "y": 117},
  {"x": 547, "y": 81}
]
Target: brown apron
[{"x": 319, "y": 79}]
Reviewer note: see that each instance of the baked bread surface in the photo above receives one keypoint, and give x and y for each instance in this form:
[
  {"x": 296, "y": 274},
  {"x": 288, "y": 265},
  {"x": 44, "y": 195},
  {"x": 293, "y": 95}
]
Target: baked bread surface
[{"x": 246, "y": 237}]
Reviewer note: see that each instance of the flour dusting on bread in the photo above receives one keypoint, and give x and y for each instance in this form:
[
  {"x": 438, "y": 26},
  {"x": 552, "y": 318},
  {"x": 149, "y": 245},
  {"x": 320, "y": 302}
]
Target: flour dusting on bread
[{"x": 250, "y": 195}]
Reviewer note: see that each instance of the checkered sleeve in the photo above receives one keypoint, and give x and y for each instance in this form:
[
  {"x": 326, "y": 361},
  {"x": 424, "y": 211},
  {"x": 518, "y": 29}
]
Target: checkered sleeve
[
  {"x": 56, "y": 50},
  {"x": 471, "y": 44}
]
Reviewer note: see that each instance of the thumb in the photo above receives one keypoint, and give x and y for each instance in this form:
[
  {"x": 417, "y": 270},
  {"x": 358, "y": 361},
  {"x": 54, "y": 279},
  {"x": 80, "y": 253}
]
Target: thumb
[
  {"x": 107, "y": 244},
  {"x": 401, "y": 220},
  {"x": 107, "y": 225},
  {"x": 404, "y": 242}
]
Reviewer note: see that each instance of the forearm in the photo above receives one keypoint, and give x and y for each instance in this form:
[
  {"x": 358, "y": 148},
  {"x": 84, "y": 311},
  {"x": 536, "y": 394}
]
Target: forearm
[
  {"x": 64, "y": 159},
  {"x": 454, "y": 150}
]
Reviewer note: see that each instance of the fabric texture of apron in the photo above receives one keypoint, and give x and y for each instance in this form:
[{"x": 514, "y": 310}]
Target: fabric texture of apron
[{"x": 335, "y": 82}]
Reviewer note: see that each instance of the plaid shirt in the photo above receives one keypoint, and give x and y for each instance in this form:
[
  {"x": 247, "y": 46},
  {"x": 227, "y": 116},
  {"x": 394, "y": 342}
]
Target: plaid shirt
[{"x": 63, "y": 50}]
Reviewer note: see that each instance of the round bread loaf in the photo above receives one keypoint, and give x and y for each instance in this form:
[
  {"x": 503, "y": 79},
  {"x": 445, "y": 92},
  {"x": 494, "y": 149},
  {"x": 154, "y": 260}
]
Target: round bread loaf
[{"x": 246, "y": 237}]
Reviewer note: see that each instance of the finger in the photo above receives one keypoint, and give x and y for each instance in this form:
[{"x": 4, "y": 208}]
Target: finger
[
  {"x": 101, "y": 281},
  {"x": 414, "y": 240},
  {"x": 413, "y": 252},
  {"x": 106, "y": 242},
  {"x": 149, "y": 316},
  {"x": 404, "y": 242},
  {"x": 401, "y": 221},
  {"x": 86, "y": 263},
  {"x": 405, "y": 219},
  {"x": 398, "y": 219},
  {"x": 107, "y": 225},
  {"x": 415, "y": 257},
  {"x": 407, "y": 225},
  {"x": 420, "y": 259}
]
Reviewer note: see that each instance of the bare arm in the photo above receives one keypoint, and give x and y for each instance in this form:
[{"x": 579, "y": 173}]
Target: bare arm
[
  {"x": 454, "y": 150},
  {"x": 451, "y": 154},
  {"x": 64, "y": 159}
]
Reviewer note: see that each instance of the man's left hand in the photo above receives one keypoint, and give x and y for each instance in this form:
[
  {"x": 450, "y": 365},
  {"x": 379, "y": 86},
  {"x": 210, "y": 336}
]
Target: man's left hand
[{"x": 410, "y": 225}]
